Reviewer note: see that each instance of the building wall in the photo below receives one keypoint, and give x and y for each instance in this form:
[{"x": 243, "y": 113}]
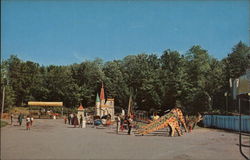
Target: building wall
[
  {"x": 97, "y": 107},
  {"x": 80, "y": 113}
]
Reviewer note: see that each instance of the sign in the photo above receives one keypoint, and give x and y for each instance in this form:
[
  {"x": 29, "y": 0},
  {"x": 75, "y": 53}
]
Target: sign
[{"x": 242, "y": 85}]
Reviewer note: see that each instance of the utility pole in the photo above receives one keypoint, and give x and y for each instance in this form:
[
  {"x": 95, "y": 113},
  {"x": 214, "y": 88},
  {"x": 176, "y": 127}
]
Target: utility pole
[{"x": 226, "y": 96}]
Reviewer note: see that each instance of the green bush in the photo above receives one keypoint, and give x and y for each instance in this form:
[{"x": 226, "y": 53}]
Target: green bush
[{"x": 3, "y": 123}]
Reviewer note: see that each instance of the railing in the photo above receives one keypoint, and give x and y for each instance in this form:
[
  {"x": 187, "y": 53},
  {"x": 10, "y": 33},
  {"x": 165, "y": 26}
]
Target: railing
[{"x": 227, "y": 122}]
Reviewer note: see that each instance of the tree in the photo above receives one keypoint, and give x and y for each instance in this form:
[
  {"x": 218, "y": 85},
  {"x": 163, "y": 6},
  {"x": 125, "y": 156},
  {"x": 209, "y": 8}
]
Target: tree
[
  {"x": 115, "y": 84},
  {"x": 9, "y": 97},
  {"x": 235, "y": 65},
  {"x": 141, "y": 75},
  {"x": 15, "y": 78},
  {"x": 198, "y": 67},
  {"x": 196, "y": 81},
  {"x": 88, "y": 76},
  {"x": 237, "y": 61}
]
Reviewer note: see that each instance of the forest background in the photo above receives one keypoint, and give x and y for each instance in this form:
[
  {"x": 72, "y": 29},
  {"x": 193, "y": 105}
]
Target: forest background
[{"x": 194, "y": 81}]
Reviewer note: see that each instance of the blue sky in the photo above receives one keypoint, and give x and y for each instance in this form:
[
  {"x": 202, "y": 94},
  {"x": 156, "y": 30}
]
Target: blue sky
[{"x": 65, "y": 32}]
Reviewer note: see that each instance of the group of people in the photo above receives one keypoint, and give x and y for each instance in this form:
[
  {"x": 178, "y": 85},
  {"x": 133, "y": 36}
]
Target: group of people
[
  {"x": 29, "y": 120},
  {"x": 73, "y": 120},
  {"x": 122, "y": 121}
]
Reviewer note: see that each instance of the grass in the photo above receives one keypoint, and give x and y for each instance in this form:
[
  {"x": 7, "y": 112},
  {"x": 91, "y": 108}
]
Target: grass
[{"x": 3, "y": 123}]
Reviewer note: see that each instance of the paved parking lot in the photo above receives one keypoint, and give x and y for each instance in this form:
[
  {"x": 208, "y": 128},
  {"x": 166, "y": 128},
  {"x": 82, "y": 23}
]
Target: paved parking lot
[{"x": 52, "y": 139}]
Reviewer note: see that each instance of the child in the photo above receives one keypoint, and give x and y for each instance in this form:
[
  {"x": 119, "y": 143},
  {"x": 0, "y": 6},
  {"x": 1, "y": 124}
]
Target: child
[
  {"x": 65, "y": 120},
  {"x": 28, "y": 123},
  {"x": 11, "y": 119}
]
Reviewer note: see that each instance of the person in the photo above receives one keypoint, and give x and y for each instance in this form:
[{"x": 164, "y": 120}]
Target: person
[
  {"x": 81, "y": 119},
  {"x": 11, "y": 119},
  {"x": 69, "y": 118},
  {"x": 118, "y": 122},
  {"x": 109, "y": 116},
  {"x": 129, "y": 122},
  {"x": 65, "y": 120},
  {"x": 108, "y": 121},
  {"x": 75, "y": 121},
  {"x": 132, "y": 116},
  {"x": 122, "y": 123},
  {"x": 84, "y": 121},
  {"x": 31, "y": 120},
  {"x": 123, "y": 112},
  {"x": 20, "y": 119},
  {"x": 39, "y": 113},
  {"x": 72, "y": 118},
  {"x": 28, "y": 122},
  {"x": 155, "y": 117}
]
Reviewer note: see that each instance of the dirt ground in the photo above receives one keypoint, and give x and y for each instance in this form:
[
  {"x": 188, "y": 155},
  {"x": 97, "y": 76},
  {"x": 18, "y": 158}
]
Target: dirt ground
[{"x": 52, "y": 139}]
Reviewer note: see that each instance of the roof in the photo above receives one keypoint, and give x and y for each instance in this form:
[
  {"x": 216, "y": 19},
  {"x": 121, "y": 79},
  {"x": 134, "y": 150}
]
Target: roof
[
  {"x": 102, "y": 96},
  {"x": 97, "y": 98},
  {"x": 80, "y": 108}
]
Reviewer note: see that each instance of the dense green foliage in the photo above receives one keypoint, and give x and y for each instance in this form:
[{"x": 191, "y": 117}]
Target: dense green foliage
[
  {"x": 195, "y": 81},
  {"x": 3, "y": 123}
]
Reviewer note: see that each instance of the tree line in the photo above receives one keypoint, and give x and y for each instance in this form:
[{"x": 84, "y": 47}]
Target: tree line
[{"x": 195, "y": 81}]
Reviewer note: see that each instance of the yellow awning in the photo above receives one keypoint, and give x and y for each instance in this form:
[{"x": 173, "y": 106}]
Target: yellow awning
[{"x": 54, "y": 104}]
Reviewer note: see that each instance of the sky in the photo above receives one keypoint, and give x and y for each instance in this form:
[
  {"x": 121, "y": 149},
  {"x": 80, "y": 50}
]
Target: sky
[{"x": 63, "y": 32}]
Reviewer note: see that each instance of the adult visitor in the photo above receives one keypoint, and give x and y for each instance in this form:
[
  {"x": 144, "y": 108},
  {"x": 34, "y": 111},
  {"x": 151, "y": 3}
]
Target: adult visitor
[
  {"x": 129, "y": 122},
  {"x": 31, "y": 120},
  {"x": 118, "y": 123},
  {"x": 75, "y": 120},
  {"x": 20, "y": 119},
  {"x": 122, "y": 123},
  {"x": 81, "y": 120},
  {"x": 69, "y": 119}
]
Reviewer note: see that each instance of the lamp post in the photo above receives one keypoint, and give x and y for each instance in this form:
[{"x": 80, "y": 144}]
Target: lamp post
[{"x": 226, "y": 95}]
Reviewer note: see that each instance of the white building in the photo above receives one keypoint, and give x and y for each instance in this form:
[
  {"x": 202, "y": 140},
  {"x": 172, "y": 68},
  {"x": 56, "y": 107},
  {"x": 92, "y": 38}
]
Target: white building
[{"x": 103, "y": 106}]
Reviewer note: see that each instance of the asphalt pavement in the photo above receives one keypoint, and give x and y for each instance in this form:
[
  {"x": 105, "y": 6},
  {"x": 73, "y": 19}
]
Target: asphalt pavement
[{"x": 52, "y": 139}]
